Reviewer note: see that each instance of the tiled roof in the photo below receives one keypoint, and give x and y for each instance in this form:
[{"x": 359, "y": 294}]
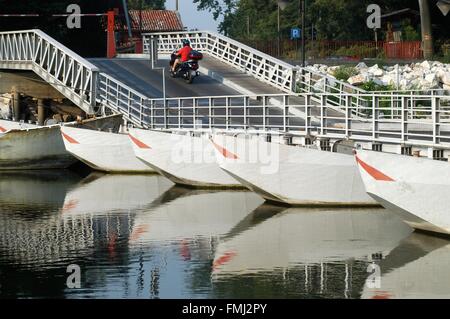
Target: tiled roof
[{"x": 155, "y": 20}]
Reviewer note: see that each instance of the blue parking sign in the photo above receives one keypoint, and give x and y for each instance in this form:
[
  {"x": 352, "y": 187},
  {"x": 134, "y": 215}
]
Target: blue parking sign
[{"x": 296, "y": 33}]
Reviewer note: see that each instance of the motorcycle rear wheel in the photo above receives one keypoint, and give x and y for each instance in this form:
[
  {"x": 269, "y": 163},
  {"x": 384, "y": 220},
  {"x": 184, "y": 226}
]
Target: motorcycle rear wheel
[{"x": 189, "y": 78}]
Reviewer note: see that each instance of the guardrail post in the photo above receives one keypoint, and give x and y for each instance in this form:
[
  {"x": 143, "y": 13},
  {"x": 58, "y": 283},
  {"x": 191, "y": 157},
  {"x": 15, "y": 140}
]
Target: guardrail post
[
  {"x": 166, "y": 122},
  {"x": 308, "y": 115},
  {"x": 246, "y": 103},
  {"x": 141, "y": 111},
  {"x": 227, "y": 118},
  {"x": 323, "y": 113},
  {"x": 180, "y": 112},
  {"x": 286, "y": 122},
  {"x": 93, "y": 89},
  {"x": 348, "y": 115},
  {"x": 435, "y": 106},
  {"x": 264, "y": 103},
  {"x": 211, "y": 113},
  {"x": 194, "y": 115},
  {"x": 375, "y": 116},
  {"x": 404, "y": 119},
  {"x": 294, "y": 80}
]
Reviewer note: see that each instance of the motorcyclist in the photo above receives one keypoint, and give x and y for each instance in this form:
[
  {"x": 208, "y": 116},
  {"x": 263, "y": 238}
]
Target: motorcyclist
[{"x": 183, "y": 54}]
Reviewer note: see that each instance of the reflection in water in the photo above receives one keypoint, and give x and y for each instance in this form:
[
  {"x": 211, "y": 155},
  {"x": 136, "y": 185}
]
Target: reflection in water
[
  {"x": 417, "y": 268},
  {"x": 35, "y": 190},
  {"x": 106, "y": 193},
  {"x": 141, "y": 237},
  {"x": 313, "y": 245}
]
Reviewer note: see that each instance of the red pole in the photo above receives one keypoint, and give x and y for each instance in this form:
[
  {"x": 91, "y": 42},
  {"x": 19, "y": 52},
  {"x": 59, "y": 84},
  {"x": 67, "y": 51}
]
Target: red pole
[{"x": 111, "y": 44}]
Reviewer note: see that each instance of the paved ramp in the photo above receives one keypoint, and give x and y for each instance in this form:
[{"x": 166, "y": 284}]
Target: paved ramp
[
  {"x": 138, "y": 74},
  {"x": 232, "y": 77}
]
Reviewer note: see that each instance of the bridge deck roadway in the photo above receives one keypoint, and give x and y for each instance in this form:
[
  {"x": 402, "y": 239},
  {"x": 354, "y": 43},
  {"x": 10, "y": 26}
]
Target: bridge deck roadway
[
  {"x": 217, "y": 79},
  {"x": 138, "y": 74}
]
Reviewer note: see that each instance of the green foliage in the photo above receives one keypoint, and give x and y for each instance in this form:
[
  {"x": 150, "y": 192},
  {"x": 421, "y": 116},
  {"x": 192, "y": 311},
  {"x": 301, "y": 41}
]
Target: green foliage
[
  {"x": 372, "y": 86},
  {"x": 343, "y": 73},
  {"x": 357, "y": 50},
  {"x": 443, "y": 55},
  {"x": 409, "y": 33},
  {"x": 146, "y": 4}
]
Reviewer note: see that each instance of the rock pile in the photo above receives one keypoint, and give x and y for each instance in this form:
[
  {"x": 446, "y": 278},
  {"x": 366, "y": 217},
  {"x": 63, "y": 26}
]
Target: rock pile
[{"x": 416, "y": 76}]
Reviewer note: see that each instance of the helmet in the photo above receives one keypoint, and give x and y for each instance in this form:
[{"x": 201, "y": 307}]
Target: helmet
[{"x": 186, "y": 42}]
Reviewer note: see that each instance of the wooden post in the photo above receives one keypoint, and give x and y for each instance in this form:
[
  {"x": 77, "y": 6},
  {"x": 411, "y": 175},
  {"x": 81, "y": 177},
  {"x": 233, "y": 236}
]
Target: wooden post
[
  {"x": 41, "y": 112},
  {"x": 16, "y": 106}
]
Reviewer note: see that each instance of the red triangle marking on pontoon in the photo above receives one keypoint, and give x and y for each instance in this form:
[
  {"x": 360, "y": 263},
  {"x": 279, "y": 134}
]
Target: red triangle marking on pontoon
[
  {"x": 2, "y": 129},
  {"x": 379, "y": 176},
  {"x": 138, "y": 142},
  {"x": 69, "y": 139},
  {"x": 226, "y": 153},
  {"x": 223, "y": 259}
]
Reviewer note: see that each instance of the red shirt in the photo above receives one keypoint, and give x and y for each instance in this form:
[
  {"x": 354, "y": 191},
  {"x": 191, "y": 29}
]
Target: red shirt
[{"x": 184, "y": 52}]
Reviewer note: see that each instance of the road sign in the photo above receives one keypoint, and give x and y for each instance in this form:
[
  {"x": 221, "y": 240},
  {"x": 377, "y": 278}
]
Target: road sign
[{"x": 296, "y": 33}]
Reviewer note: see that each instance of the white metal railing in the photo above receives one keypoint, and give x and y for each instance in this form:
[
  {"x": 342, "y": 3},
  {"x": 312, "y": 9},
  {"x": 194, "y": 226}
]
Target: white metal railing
[
  {"x": 283, "y": 76},
  {"x": 309, "y": 81},
  {"x": 401, "y": 118},
  {"x": 260, "y": 65},
  {"x": 66, "y": 71},
  {"x": 120, "y": 98}
]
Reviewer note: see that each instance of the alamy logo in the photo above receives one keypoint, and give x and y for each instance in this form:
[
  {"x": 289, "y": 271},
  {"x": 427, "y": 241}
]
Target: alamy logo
[
  {"x": 74, "y": 18},
  {"x": 74, "y": 279},
  {"x": 374, "y": 279},
  {"x": 374, "y": 19}
]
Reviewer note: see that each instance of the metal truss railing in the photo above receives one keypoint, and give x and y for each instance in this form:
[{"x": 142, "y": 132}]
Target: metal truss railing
[{"x": 66, "y": 71}]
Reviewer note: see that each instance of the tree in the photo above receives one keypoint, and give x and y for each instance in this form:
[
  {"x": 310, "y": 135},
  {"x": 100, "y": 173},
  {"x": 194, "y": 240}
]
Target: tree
[
  {"x": 223, "y": 9},
  {"x": 333, "y": 20},
  {"x": 146, "y": 4}
]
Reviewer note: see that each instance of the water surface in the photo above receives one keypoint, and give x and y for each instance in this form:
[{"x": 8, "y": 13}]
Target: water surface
[{"x": 143, "y": 237}]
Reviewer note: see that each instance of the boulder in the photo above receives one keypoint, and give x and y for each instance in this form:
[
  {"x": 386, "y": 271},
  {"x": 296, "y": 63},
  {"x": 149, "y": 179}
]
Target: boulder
[
  {"x": 388, "y": 79},
  {"x": 425, "y": 65},
  {"x": 358, "y": 79},
  {"x": 375, "y": 70},
  {"x": 332, "y": 69},
  {"x": 406, "y": 69},
  {"x": 362, "y": 66},
  {"x": 432, "y": 79},
  {"x": 405, "y": 84},
  {"x": 318, "y": 86},
  {"x": 378, "y": 81},
  {"x": 445, "y": 78}
]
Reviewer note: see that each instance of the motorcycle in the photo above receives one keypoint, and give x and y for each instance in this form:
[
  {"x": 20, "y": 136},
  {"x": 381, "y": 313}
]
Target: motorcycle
[{"x": 187, "y": 70}]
